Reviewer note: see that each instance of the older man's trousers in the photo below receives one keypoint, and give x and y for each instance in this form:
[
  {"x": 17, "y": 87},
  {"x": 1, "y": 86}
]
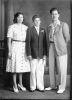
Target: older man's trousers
[{"x": 61, "y": 62}]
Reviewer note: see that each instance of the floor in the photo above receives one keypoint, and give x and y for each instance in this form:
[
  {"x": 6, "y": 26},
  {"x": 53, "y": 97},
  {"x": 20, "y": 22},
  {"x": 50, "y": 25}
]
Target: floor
[{"x": 6, "y": 91}]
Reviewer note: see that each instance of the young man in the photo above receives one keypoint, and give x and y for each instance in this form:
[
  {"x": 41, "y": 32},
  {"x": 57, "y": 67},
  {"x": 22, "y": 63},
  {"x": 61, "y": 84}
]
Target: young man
[
  {"x": 36, "y": 52},
  {"x": 58, "y": 33}
]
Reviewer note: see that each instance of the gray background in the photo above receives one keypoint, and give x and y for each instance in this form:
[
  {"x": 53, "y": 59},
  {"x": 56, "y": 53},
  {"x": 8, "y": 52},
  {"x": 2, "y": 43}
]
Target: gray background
[{"x": 29, "y": 8}]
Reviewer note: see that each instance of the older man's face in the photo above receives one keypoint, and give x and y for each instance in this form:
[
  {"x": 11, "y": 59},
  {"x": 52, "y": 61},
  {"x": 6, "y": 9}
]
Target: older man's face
[{"x": 55, "y": 15}]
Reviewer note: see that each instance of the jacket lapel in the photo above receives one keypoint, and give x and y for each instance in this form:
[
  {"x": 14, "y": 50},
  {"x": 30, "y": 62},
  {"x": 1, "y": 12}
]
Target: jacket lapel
[
  {"x": 57, "y": 29},
  {"x": 34, "y": 31}
]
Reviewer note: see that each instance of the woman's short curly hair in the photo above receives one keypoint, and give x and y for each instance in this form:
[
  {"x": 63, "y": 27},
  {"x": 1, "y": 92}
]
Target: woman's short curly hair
[{"x": 16, "y": 15}]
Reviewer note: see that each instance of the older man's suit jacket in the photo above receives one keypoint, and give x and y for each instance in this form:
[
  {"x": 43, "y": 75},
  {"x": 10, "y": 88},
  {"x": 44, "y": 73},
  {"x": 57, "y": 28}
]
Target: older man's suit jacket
[
  {"x": 61, "y": 38},
  {"x": 36, "y": 44}
]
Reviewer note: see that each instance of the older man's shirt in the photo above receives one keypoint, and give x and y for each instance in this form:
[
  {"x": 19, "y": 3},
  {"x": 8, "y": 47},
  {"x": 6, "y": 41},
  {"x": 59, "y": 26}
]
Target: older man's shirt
[{"x": 53, "y": 27}]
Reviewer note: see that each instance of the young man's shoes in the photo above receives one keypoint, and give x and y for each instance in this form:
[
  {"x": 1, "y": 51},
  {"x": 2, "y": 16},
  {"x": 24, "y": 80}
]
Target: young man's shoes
[
  {"x": 60, "y": 91},
  {"x": 41, "y": 90},
  {"x": 37, "y": 89},
  {"x": 32, "y": 90}
]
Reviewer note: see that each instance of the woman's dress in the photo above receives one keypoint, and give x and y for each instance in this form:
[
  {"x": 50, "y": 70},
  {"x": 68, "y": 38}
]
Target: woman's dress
[{"x": 18, "y": 62}]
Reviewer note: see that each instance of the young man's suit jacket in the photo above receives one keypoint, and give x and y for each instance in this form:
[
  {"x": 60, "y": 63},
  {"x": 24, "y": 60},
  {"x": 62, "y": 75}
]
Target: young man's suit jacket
[{"x": 36, "y": 44}]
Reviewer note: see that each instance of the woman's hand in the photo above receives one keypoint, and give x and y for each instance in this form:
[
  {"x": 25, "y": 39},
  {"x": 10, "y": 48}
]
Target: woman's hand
[
  {"x": 9, "y": 55},
  {"x": 29, "y": 58},
  {"x": 9, "y": 48}
]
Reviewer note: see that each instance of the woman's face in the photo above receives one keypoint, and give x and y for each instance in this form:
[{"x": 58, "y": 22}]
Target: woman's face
[
  {"x": 55, "y": 15},
  {"x": 20, "y": 18},
  {"x": 37, "y": 22}
]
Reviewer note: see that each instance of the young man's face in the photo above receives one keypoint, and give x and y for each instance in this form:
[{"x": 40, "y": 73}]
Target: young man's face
[
  {"x": 55, "y": 15},
  {"x": 37, "y": 22}
]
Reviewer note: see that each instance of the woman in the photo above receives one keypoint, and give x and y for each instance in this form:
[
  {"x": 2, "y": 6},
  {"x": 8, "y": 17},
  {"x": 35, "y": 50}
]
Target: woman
[{"x": 16, "y": 51}]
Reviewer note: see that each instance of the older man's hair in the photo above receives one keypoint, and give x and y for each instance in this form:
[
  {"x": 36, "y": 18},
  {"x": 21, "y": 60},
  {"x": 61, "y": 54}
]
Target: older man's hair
[{"x": 54, "y": 9}]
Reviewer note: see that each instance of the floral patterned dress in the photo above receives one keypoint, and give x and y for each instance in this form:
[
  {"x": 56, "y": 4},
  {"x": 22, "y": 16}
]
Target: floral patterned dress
[{"x": 19, "y": 62}]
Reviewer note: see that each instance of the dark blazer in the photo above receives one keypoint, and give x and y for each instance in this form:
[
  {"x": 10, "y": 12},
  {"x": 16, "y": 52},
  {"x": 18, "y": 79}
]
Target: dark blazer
[{"x": 36, "y": 44}]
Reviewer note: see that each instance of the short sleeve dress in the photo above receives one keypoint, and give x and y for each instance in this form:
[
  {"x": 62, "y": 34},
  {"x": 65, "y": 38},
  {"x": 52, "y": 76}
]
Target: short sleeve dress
[{"x": 19, "y": 62}]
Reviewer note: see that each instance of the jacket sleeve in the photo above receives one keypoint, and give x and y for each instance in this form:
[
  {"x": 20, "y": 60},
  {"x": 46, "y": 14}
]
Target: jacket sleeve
[
  {"x": 47, "y": 41},
  {"x": 45, "y": 44},
  {"x": 28, "y": 42},
  {"x": 66, "y": 32}
]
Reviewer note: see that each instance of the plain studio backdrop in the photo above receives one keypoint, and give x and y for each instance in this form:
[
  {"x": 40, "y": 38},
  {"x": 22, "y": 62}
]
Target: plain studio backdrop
[{"x": 29, "y": 8}]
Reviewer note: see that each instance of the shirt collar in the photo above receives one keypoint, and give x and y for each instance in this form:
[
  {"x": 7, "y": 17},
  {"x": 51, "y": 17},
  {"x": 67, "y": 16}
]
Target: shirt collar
[
  {"x": 58, "y": 23},
  {"x": 36, "y": 27}
]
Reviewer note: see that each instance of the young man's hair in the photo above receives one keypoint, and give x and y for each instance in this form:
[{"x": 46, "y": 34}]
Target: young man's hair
[
  {"x": 54, "y": 9},
  {"x": 34, "y": 17}
]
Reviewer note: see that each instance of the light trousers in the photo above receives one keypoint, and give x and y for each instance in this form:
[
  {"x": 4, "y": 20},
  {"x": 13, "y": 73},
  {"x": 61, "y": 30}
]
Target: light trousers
[
  {"x": 61, "y": 66},
  {"x": 37, "y": 74}
]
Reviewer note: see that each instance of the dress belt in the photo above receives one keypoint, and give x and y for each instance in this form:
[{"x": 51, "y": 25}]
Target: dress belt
[
  {"x": 51, "y": 41},
  {"x": 18, "y": 41}
]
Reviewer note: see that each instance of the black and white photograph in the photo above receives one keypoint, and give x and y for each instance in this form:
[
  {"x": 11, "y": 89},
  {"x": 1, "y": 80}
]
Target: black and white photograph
[{"x": 35, "y": 49}]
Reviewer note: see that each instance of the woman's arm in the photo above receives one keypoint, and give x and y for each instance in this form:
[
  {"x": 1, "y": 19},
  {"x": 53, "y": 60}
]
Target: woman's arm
[{"x": 9, "y": 47}]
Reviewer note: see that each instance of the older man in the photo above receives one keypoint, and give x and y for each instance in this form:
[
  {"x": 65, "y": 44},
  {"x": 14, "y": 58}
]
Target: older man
[{"x": 58, "y": 34}]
